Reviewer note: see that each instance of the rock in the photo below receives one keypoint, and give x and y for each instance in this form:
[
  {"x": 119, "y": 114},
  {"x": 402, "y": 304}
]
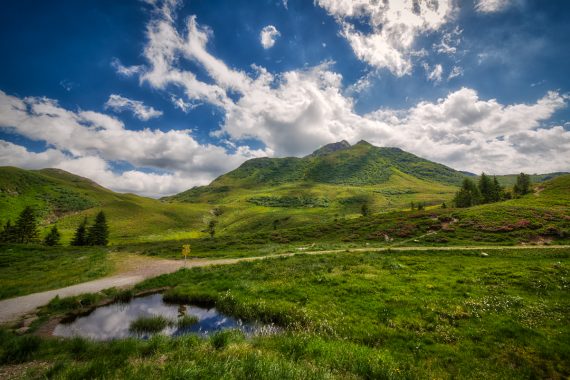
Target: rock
[{"x": 484, "y": 254}]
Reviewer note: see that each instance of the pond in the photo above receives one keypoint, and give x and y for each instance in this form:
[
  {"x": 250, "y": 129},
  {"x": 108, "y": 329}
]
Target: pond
[{"x": 114, "y": 321}]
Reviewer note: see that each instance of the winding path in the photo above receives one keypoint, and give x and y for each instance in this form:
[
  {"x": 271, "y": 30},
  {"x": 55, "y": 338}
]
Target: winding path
[{"x": 14, "y": 308}]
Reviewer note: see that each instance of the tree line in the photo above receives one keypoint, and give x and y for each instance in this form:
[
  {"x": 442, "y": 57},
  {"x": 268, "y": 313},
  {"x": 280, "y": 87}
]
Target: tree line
[
  {"x": 26, "y": 231},
  {"x": 488, "y": 190}
]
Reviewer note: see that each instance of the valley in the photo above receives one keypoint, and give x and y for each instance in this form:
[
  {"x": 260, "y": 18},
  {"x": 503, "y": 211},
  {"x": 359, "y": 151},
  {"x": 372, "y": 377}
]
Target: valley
[{"x": 356, "y": 253}]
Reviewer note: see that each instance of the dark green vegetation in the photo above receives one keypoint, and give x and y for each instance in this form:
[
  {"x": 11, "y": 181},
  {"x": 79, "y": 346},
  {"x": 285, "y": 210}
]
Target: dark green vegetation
[
  {"x": 99, "y": 232},
  {"x": 369, "y": 315},
  {"x": 153, "y": 324},
  {"x": 30, "y": 269}
]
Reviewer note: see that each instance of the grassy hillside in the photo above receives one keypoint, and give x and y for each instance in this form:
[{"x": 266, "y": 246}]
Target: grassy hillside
[
  {"x": 65, "y": 199},
  {"x": 333, "y": 182},
  {"x": 542, "y": 217}
]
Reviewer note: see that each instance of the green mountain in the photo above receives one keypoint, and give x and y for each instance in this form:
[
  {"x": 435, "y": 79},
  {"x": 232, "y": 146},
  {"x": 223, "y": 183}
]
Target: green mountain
[
  {"x": 334, "y": 181},
  {"x": 338, "y": 164},
  {"x": 64, "y": 198}
]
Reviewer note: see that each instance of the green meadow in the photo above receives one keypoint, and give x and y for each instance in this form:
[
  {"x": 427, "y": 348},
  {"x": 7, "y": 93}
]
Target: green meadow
[{"x": 387, "y": 315}]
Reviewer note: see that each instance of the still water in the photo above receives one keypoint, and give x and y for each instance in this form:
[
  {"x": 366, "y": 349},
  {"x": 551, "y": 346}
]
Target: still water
[{"x": 113, "y": 321}]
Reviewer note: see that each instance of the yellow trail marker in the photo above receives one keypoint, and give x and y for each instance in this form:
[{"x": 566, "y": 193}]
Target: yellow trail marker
[{"x": 186, "y": 251}]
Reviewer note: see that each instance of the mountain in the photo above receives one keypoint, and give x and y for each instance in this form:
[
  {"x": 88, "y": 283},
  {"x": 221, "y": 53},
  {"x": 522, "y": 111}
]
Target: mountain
[
  {"x": 337, "y": 163},
  {"x": 334, "y": 181},
  {"x": 64, "y": 198}
]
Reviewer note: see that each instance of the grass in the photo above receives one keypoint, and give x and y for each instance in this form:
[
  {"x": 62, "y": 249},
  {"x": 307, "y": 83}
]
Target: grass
[
  {"x": 30, "y": 269},
  {"x": 186, "y": 321},
  {"x": 371, "y": 315},
  {"x": 149, "y": 325}
]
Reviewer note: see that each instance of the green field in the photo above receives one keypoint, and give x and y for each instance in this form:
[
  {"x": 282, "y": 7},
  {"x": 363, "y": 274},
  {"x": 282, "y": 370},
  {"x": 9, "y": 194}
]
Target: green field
[
  {"x": 30, "y": 269},
  {"x": 367, "y": 315}
]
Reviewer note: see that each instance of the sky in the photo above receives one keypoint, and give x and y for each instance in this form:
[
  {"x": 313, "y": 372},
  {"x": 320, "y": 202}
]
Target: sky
[{"x": 156, "y": 96}]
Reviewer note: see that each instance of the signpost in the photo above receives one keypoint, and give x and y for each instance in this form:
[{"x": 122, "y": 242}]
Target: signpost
[{"x": 185, "y": 252}]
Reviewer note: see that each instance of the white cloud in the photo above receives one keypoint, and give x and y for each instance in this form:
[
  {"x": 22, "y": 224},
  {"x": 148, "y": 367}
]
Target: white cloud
[
  {"x": 433, "y": 74},
  {"x": 268, "y": 35},
  {"x": 296, "y": 111},
  {"x": 491, "y": 6},
  {"x": 119, "y": 103},
  {"x": 449, "y": 43},
  {"x": 291, "y": 113},
  {"x": 97, "y": 138},
  {"x": 395, "y": 26},
  {"x": 126, "y": 71},
  {"x": 456, "y": 71}
]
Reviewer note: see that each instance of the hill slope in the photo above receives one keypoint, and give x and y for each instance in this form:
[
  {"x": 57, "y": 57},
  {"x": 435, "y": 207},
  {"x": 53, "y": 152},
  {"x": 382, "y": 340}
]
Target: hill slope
[
  {"x": 334, "y": 181},
  {"x": 65, "y": 198}
]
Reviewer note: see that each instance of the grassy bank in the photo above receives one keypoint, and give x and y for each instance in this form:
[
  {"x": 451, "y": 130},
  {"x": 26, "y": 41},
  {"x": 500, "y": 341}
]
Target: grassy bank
[
  {"x": 370, "y": 315},
  {"x": 30, "y": 269}
]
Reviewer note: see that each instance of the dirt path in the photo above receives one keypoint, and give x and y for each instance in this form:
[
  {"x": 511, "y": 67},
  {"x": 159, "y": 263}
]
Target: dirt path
[{"x": 139, "y": 268}]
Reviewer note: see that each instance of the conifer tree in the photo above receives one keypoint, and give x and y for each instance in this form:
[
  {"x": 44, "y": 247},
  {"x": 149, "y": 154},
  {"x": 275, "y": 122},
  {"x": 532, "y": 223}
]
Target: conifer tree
[
  {"x": 486, "y": 188},
  {"x": 26, "y": 228},
  {"x": 498, "y": 191},
  {"x": 52, "y": 238},
  {"x": 364, "y": 210},
  {"x": 8, "y": 234},
  {"x": 468, "y": 195},
  {"x": 80, "y": 237},
  {"x": 522, "y": 186},
  {"x": 99, "y": 232}
]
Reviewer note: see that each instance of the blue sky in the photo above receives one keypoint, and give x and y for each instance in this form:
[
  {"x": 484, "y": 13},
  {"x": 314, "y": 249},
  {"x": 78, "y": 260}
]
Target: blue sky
[{"x": 154, "y": 97}]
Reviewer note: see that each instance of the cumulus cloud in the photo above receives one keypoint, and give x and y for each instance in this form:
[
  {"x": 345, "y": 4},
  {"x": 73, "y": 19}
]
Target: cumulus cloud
[
  {"x": 491, "y": 6},
  {"x": 394, "y": 28},
  {"x": 291, "y": 113},
  {"x": 119, "y": 103},
  {"x": 296, "y": 111},
  {"x": 78, "y": 138},
  {"x": 268, "y": 36}
]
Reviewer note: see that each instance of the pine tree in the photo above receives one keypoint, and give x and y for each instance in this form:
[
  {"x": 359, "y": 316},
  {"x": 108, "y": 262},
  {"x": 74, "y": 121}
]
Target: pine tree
[
  {"x": 212, "y": 228},
  {"x": 26, "y": 228},
  {"x": 52, "y": 238},
  {"x": 8, "y": 234},
  {"x": 99, "y": 232},
  {"x": 498, "y": 191},
  {"x": 522, "y": 186},
  {"x": 364, "y": 210},
  {"x": 468, "y": 195},
  {"x": 486, "y": 188},
  {"x": 80, "y": 237}
]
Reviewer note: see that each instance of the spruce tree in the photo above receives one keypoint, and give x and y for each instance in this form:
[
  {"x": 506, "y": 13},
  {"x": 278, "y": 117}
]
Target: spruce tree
[
  {"x": 8, "y": 234},
  {"x": 468, "y": 195},
  {"x": 498, "y": 191},
  {"x": 364, "y": 210},
  {"x": 26, "y": 228},
  {"x": 99, "y": 231},
  {"x": 486, "y": 188},
  {"x": 522, "y": 186},
  {"x": 52, "y": 238},
  {"x": 80, "y": 237}
]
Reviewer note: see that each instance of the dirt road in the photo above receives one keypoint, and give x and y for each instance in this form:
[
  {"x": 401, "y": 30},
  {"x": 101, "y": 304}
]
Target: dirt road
[{"x": 139, "y": 268}]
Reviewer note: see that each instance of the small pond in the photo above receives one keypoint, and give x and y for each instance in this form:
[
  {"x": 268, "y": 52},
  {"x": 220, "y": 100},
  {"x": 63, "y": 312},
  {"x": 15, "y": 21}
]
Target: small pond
[{"x": 113, "y": 321}]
